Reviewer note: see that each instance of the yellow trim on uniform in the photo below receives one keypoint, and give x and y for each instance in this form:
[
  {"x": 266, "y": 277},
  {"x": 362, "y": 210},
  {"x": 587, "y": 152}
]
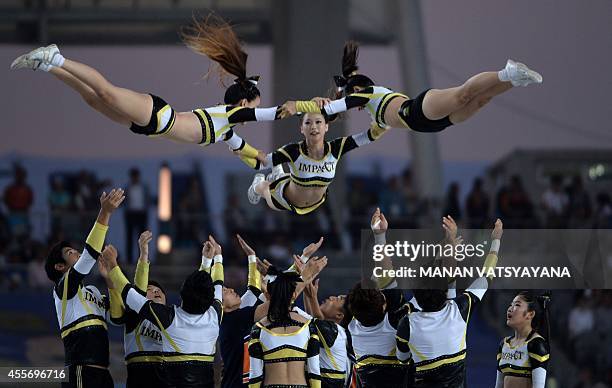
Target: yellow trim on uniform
[
  {"x": 385, "y": 100},
  {"x": 254, "y": 277},
  {"x": 187, "y": 357},
  {"x": 65, "y": 295},
  {"x": 463, "y": 340},
  {"x": 285, "y": 353},
  {"x": 490, "y": 261},
  {"x": 310, "y": 182},
  {"x": 251, "y": 162},
  {"x": 281, "y": 334},
  {"x": 160, "y": 113},
  {"x": 137, "y": 337},
  {"x": 282, "y": 151},
  {"x": 141, "y": 277},
  {"x": 499, "y": 355},
  {"x": 334, "y": 375},
  {"x": 401, "y": 339},
  {"x": 216, "y": 271},
  {"x": 373, "y": 360},
  {"x": 151, "y": 358},
  {"x": 83, "y": 303},
  {"x": 165, "y": 333},
  {"x": 314, "y": 383},
  {"x": 517, "y": 371},
  {"x": 116, "y": 303},
  {"x": 438, "y": 363},
  {"x": 118, "y": 278},
  {"x": 249, "y": 151},
  {"x": 307, "y": 107},
  {"x": 327, "y": 350},
  {"x": 414, "y": 351},
  {"x": 96, "y": 236},
  {"x": 540, "y": 358},
  {"x": 204, "y": 119},
  {"x": 87, "y": 323}
]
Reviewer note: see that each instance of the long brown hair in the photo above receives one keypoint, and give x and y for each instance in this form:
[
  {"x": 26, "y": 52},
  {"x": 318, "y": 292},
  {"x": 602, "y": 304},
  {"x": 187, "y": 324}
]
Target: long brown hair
[{"x": 214, "y": 37}]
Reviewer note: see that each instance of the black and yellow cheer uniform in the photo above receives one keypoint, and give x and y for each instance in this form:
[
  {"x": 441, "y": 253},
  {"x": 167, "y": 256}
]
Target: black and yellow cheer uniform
[
  {"x": 82, "y": 316},
  {"x": 266, "y": 347},
  {"x": 142, "y": 340},
  {"x": 188, "y": 340},
  {"x": 375, "y": 351},
  {"x": 216, "y": 123},
  {"x": 308, "y": 172},
  {"x": 236, "y": 325},
  {"x": 436, "y": 340},
  {"x": 525, "y": 360},
  {"x": 335, "y": 364},
  {"x": 376, "y": 99}
]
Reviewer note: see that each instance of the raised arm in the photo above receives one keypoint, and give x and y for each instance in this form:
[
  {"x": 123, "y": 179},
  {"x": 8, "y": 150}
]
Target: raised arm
[
  {"x": 157, "y": 313},
  {"x": 351, "y": 101},
  {"x": 311, "y": 300},
  {"x": 216, "y": 272},
  {"x": 379, "y": 226},
  {"x": 69, "y": 284},
  {"x": 285, "y": 154},
  {"x": 342, "y": 145},
  {"x": 480, "y": 285},
  {"x": 241, "y": 114},
  {"x": 141, "y": 277},
  {"x": 251, "y": 296}
]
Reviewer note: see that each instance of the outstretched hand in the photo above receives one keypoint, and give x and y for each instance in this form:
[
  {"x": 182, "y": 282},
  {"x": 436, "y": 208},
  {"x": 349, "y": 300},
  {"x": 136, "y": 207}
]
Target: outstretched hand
[
  {"x": 379, "y": 223},
  {"x": 288, "y": 109},
  {"x": 312, "y": 248},
  {"x": 450, "y": 228},
  {"x": 208, "y": 250},
  {"x": 111, "y": 201},
  {"x": 108, "y": 258},
  {"x": 245, "y": 247},
  {"x": 498, "y": 230},
  {"x": 321, "y": 101},
  {"x": 143, "y": 245}
]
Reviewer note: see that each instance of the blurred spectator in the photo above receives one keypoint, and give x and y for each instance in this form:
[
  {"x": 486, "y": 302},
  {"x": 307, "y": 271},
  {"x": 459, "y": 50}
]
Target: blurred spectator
[
  {"x": 555, "y": 203},
  {"x": 581, "y": 318},
  {"x": 412, "y": 202},
  {"x": 477, "y": 206},
  {"x": 18, "y": 198},
  {"x": 59, "y": 202},
  {"x": 603, "y": 211},
  {"x": 191, "y": 213},
  {"x": 359, "y": 199},
  {"x": 579, "y": 206},
  {"x": 37, "y": 277},
  {"x": 234, "y": 216},
  {"x": 392, "y": 201},
  {"x": 514, "y": 205},
  {"x": 59, "y": 198},
  {"x": 136, "y": 211},
  {"x": 279, "y": 251},
  {"x": 85, "y": 192},
  {"x": 452, "y": 206}
]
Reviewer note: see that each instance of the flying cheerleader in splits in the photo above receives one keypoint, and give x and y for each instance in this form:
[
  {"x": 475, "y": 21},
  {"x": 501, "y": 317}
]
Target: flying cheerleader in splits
[
  {"x": 431, "y": 111},
  {"x": 150, "y": 115},
  {"x": 312, "y": 163}
]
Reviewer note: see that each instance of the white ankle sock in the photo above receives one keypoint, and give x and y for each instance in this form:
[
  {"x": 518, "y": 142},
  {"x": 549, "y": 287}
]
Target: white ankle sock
[
  {"x": 45, "y": 67},
  {"x": 503, "y": 75},
  {"x": 57, "y": 60}
]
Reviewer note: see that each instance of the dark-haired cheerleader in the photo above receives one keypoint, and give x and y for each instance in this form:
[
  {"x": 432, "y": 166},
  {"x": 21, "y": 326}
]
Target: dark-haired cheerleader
[
  {"x": 431, "y": 111},
  {"x": 150, "y": 115},
  {"x": 522, "y": 358}
]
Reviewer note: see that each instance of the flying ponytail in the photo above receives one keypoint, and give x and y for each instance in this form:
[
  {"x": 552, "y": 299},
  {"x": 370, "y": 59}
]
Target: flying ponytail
[
  {"x": 216, "y": 39},
  {"x": 349, "y": 79}
]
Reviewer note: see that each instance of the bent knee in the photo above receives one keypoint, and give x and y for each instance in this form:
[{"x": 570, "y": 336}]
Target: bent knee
[{"x": 465, "y": 94}]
